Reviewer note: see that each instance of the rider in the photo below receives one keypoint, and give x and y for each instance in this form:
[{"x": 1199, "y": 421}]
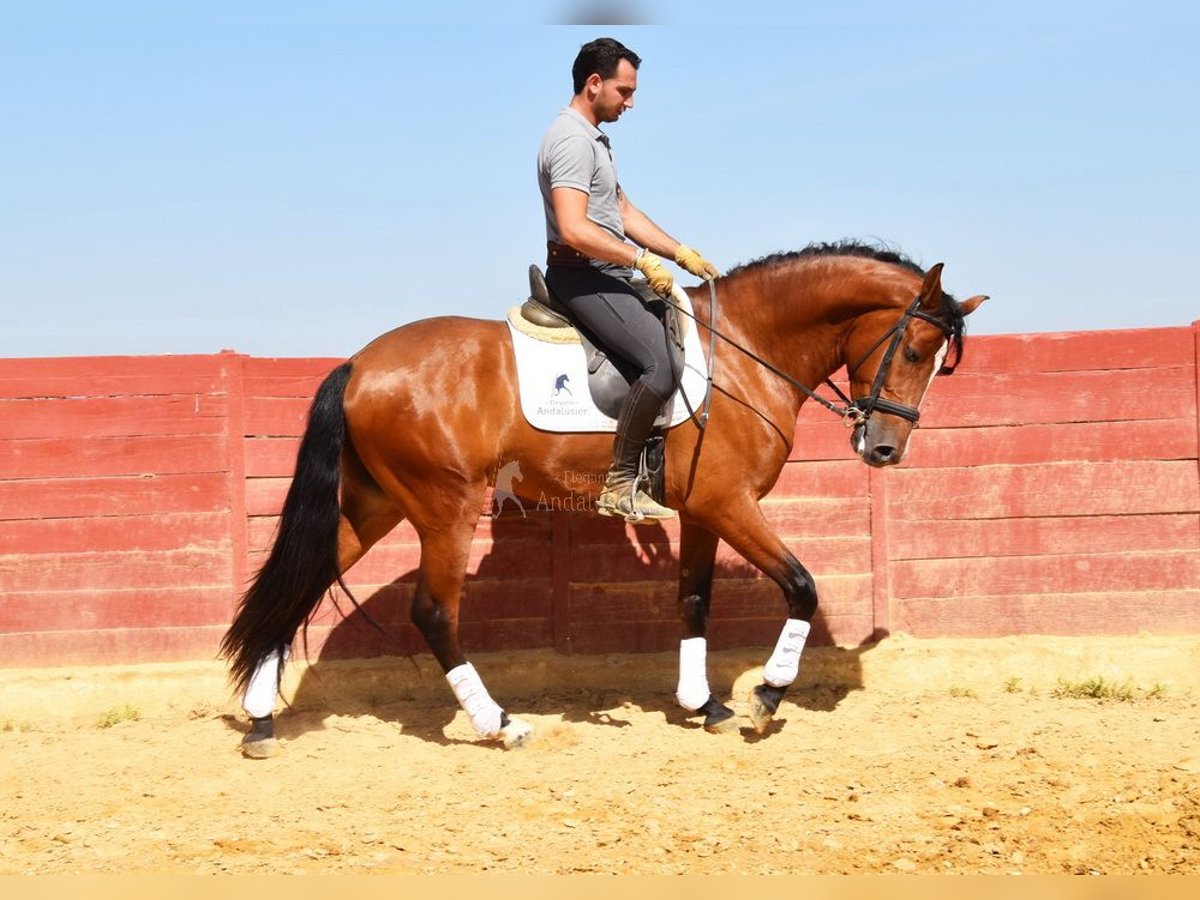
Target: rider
[{"x": 589, "y": 262}]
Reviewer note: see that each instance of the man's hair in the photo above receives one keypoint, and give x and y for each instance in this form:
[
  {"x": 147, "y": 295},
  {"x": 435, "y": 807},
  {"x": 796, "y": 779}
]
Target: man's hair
[{"x": 601, "y": 57}]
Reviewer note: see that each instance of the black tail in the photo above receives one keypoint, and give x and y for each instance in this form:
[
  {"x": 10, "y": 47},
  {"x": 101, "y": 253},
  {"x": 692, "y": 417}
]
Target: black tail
[{"x": 303, "y": 563}]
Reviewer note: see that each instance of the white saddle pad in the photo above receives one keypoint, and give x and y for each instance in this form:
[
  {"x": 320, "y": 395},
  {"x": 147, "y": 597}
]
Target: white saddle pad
[{"x": 553, "y": 381}]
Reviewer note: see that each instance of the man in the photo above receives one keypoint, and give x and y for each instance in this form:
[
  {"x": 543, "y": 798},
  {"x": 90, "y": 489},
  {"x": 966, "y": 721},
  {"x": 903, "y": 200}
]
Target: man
[{"x": 589, "y": 223}]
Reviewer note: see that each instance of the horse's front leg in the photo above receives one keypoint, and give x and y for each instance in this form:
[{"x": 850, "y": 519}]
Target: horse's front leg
[
  {"x": 747, "y": 532},
  {"x": 697, "y": 556}
]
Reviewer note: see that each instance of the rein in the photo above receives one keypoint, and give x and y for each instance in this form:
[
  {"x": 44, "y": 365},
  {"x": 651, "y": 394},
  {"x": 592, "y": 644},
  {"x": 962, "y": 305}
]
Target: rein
[{"x": 851, "y": 412}]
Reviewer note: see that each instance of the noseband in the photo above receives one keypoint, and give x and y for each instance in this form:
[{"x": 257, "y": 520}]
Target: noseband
[{"x": 858, "y": 411}]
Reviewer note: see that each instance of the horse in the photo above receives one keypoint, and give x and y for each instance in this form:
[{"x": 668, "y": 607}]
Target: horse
[{"x": 415, "y": 425}]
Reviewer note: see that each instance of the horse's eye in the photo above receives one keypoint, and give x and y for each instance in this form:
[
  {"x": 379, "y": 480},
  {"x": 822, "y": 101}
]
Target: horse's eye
[{"x": 911, "y": 355}]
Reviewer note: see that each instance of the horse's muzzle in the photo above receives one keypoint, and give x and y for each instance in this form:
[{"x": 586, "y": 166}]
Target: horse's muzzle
[{"x": 878, "y": 447}]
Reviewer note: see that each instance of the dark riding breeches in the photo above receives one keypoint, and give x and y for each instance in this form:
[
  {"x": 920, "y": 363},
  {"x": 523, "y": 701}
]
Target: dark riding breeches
[{"x": 617, "y": 319}]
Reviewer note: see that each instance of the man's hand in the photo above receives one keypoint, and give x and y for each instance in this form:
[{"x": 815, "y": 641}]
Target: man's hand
[
  {"x": 695, "y": 263},
  {"x": 659, "y": 278}
]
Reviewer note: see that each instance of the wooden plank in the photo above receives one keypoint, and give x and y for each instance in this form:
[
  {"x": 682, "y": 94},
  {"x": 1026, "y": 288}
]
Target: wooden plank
[
  {"x": 81, "y": 497},
  {"x": 92, "y": 608},
  {"x": 833, "y": 479},
  {"x": 271, "y": 457},
  {"x": 1089, "y": 613},
  {"x": 261, "y": 533},
  {"x": 276, "y": 417},
  {"x": 157, "y": 531},
  {"x": 110, "y": 646},
  {"x": 262, "y": 369},
  {"x": 113, "y": 570},
  {"x": 1069, "y": 573},
  {"x": 354, "y": 639},
  {"x": 1058, "y": 489},
  {"x": 800, "y": 518},
  {"x": 265, "y": 496},
  {"x": 99, "y": 376},
  {"x": 483, "y": 600},
  {"x": 1033, "y": 397},
  {"x": 823, "y": 438},
  {"x": 1078, "y": 351},
  {"x": 113, "y": 416},
  {"x": 299, "y": 387},
  {"x": 958, "y": 538},
  {"x": 91, "y": 456},
  {"x": 1082, "y": 441}
]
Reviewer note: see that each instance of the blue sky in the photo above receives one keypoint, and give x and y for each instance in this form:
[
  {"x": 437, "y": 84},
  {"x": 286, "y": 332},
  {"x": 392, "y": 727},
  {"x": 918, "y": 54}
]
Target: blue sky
[{"x": 294, "y": 179}]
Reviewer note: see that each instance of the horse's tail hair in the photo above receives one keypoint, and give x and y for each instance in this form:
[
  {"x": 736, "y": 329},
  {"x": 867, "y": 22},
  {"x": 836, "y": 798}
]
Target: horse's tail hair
[{"x": 303, "y": 563}]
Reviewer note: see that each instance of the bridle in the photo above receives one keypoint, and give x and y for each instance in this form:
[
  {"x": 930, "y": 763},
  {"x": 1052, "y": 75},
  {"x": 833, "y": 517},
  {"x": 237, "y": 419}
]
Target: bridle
[
  {"x": 858, "y": 411},
  {"x": 854, "y": 413}
]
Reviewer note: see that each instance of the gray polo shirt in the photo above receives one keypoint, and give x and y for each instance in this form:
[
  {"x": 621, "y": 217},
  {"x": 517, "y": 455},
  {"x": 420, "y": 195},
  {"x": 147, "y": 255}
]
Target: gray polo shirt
[{"x": 576, "y": 154}]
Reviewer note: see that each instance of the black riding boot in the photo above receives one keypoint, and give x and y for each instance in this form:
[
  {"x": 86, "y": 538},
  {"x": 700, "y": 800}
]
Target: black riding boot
[{"x": 620, "y": 495}]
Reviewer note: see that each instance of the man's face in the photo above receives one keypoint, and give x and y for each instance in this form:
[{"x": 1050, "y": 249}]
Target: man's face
[{"x": 615, "y": 95}]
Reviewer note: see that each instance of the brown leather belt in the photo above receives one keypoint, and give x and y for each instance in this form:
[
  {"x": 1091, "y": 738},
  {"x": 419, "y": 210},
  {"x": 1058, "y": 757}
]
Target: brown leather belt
[{"x": 562, "y": 255}]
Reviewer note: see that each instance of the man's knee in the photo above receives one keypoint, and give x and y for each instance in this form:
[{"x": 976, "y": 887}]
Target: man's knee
[{"x": 661, "y": 379}]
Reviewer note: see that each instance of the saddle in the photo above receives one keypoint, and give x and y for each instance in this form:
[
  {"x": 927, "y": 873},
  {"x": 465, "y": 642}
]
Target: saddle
[{"x": 609, "y": 379}]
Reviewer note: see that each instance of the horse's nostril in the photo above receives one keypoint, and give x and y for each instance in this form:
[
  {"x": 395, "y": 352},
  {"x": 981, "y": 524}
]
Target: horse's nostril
[{"x": 883, "y": 453}]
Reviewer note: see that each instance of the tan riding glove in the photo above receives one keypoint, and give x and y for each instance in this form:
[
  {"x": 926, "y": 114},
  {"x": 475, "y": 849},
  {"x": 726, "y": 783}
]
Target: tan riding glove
[
  {"x": 695, "y": 263},
  {"x": 651, "y": 266}
]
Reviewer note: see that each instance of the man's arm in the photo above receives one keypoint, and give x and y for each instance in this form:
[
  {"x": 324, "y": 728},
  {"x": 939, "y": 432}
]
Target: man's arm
[
  {"x": 580, "y": 232},
  {"x": 643, "y": 231}
]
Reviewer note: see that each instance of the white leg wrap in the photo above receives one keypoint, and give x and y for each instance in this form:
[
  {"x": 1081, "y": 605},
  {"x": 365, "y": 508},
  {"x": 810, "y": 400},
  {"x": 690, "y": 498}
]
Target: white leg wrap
[
  {"x": 693, "y": 691},
  {"x": 484, "y": 712},
  {"x": 263, "y": 687},
  {"x": 781, "y": 669}
]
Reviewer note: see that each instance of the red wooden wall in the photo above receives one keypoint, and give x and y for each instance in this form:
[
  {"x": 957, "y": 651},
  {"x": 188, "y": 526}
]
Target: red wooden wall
[{"x": 1053, "y": 488}]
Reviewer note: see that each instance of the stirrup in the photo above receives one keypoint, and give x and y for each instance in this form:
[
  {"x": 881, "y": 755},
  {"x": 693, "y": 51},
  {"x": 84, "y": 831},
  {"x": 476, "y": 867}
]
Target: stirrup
[{"x": 627, "y": 501}]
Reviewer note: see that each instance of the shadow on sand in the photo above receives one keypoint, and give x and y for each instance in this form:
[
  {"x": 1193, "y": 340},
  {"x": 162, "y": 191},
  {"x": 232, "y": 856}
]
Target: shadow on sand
[{"x": 374, "y": 662}]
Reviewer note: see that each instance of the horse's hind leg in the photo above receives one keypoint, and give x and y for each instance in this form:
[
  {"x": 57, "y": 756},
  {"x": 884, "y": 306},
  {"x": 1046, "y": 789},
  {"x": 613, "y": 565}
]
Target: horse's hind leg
[
  {"x": 444, "y": 553},
  {"x": 697, "y": 557},
  {"x": 366, "y": 516}
]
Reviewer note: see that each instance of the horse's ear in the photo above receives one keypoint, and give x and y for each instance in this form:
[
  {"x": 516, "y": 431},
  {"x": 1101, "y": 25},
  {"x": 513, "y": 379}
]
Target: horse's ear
[
  {"x": 968, "y": 306},
  {"x": 931, "y": 288}
]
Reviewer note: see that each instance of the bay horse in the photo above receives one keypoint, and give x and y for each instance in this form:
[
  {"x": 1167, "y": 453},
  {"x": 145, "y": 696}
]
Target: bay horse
[{"x": 417, "y": 424}]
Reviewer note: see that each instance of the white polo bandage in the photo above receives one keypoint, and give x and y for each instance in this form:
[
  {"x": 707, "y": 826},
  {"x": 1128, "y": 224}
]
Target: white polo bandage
[
  {"x": 263, "y": 687},
  {"x": 485, "y": 714},
  {"x": 783, "y": 666},
  {"x": 693, "y": 691}
]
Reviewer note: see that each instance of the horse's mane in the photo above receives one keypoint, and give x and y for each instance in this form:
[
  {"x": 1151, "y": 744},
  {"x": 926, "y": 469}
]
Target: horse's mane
[
  {"x": 845, "y": 247},
  {"x": 949, "y": 313}
]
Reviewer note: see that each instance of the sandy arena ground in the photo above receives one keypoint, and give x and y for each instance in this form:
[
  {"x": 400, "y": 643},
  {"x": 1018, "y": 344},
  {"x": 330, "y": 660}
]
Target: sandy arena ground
[{"x": 907, "y": 756}]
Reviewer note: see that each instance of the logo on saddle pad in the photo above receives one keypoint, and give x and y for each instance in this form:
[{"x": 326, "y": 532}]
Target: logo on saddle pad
[{"x": 560, "y": 402}]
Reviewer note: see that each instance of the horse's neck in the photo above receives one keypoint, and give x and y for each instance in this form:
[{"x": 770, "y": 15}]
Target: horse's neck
[{"x": 797, "y": 320}]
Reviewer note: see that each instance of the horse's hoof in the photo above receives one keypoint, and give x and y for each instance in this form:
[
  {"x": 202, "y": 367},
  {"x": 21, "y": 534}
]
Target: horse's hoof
[
  {"x": 764, "y": 702},
  {"x": 261, "y": 749},
  {"x": 718, "y": 718},
  {"x": 722, "y": 726},
  {"x": 515, "y": 734}
]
